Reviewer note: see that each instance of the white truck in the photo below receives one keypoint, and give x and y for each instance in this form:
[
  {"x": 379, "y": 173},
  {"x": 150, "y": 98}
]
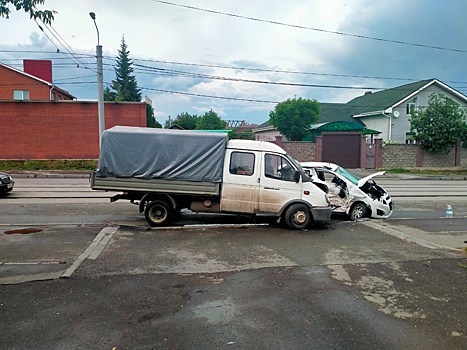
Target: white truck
[{"x": 165, "y": 171}]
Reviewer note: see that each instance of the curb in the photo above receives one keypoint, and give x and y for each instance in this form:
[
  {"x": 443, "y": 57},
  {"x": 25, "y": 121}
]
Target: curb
[{"x": 50, "y": 174}]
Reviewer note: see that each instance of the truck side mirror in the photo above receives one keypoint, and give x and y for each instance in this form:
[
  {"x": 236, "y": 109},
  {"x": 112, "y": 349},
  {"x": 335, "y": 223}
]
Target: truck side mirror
[{"x": 296, "y": 176}]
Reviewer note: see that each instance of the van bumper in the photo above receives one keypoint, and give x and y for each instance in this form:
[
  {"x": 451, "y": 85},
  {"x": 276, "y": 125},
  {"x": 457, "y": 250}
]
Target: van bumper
[{"x": 321, "y": 215}]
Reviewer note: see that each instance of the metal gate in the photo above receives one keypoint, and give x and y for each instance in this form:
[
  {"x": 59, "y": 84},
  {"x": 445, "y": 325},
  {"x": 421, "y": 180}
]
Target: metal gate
[
  {"x": 370, "y": 156},
  {"x": 342, "y": 148}
]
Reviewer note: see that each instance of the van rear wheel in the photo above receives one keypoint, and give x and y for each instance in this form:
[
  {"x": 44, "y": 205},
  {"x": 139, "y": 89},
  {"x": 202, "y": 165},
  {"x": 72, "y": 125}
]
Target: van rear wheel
[
  {"x": 157, "y": 213},
  {"x": 298, "y": 216}
]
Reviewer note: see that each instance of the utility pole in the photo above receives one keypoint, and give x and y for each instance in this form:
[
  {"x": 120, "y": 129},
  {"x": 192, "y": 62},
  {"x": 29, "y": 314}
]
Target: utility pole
[{"x": 100, "y": 83}]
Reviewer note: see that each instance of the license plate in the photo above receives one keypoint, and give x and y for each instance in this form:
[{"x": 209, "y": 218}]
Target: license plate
[{"x": 9, "y": 186}]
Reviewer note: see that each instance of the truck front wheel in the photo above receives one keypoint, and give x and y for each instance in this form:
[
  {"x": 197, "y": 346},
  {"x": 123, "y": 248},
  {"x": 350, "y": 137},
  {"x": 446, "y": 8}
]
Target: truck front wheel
[
  {"x": 157, "y": 213},
  {"x": 298, "y": 217}
]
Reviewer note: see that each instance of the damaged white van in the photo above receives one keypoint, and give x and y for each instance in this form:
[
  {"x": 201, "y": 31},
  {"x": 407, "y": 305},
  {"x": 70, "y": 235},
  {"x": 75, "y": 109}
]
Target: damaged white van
[{"x": 348, "y": 194}]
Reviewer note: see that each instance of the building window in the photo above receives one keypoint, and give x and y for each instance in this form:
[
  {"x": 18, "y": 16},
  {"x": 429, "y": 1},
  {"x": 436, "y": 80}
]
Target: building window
[
  {"x": 20, "y": 94},
  {"x": 53, "y": 96},
  {"x": 409, "y": 140},
  {"x": 411, "y": 105}
]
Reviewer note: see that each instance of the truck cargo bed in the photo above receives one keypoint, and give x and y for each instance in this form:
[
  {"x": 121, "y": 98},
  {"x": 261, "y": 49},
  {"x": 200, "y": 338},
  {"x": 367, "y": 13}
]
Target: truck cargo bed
[{"x": 154, "y": 185}]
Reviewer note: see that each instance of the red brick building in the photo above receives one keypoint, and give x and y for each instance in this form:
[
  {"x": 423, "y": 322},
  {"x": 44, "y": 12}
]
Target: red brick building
[
  {"x": 41, "y": 121},
  {"x": 34, "y": 83}
]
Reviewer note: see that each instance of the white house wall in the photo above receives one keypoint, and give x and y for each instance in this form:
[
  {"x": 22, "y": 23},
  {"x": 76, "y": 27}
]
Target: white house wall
[
  {"x": 268, "y": 135},
  {"x": 379, "y": 123},
  {"x": 401, "y": 125}
]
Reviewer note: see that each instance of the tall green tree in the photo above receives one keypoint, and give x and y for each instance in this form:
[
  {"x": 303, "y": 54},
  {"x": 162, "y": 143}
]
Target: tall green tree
[
  {"x": 210, "y": 121},
  {"x": 294, "y": 117},
  {"x": 151, "y": 121},
  {"x": 185, "y": 120},
  {"x": 124, "y": 86},
  {"x": 108, "y": 94},
  {"x": 30, "y": 7},
  {"x": 440, "y": 125}
]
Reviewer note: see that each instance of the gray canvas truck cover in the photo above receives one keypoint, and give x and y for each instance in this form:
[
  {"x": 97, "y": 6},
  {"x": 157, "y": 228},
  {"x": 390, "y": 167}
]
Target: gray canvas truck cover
[{"x": 149, "y": 153}]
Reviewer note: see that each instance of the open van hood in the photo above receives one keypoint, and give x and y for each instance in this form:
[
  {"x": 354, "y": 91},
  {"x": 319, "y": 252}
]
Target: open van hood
[{"x": 361, "y": 182}]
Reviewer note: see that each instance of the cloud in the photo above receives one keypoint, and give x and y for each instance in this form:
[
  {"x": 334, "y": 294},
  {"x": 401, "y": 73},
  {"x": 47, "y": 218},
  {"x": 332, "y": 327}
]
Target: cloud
[{"x": 158, "y": 33}]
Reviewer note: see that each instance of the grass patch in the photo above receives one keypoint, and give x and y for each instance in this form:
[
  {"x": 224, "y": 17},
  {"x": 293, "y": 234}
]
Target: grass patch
[
  {"x": 66, "y": 164},
  {"x": 463, "y": 266},
  {"x": 419, "y": 171}
]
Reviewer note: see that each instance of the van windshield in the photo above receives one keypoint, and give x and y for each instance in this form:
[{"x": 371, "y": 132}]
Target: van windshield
[
  {"x": 294, "y": 162},
  {"x": 349, "y": 176}
]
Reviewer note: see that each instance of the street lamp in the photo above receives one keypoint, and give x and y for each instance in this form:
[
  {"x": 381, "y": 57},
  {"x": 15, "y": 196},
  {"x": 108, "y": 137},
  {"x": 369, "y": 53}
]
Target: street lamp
[{"x": 100, "y": 83}]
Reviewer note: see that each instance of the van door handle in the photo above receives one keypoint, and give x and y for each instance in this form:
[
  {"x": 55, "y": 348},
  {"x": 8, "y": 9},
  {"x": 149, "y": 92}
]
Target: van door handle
[{"x": 272, "y": 188}]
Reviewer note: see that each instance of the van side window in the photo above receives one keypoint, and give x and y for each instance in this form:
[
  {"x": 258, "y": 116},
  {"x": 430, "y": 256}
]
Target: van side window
[
  {"x": 242, "y": 163},
  {"x": 277, "y": 167}
]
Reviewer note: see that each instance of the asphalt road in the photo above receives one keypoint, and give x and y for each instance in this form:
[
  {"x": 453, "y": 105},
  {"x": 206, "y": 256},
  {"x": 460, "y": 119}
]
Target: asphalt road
[{"x": 77, "y": 273}]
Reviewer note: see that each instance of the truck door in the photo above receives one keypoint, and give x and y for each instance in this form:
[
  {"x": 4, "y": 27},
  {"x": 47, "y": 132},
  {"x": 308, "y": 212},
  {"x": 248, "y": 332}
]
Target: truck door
[
  {"x": 277, "y": 185},
  {"x": 240, "y": 181}
]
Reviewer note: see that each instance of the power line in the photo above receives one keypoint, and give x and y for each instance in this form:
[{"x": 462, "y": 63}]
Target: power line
[
  {"x": 311, "y": 28},
  {"x": 61, "y": 41},
  {"x": 236, "y": 68},
  {"x": 215, "y": 77},
  {"x": 209, "y": 96}
]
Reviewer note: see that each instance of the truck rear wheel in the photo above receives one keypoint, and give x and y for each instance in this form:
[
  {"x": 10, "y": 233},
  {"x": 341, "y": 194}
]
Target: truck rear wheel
[
  {"x": 298, "y": 216},
  {"x": 157, "y": 213}
]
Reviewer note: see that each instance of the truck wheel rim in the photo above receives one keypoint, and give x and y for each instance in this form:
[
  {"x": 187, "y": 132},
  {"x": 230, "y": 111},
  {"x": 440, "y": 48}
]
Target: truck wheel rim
[
  {"x": 158, "y": 214},
  {"x": 300, "y": 217}
]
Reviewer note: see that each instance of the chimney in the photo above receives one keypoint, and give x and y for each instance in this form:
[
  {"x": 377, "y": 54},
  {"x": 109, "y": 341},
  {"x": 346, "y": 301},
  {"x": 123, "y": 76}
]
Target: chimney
[{"x": 41, "y": 69}]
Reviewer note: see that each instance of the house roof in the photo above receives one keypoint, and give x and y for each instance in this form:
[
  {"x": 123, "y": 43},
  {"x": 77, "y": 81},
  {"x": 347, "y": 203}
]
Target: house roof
[
  {"x": 37, "y": 79},
  {"x": 343, "y": 126},
  {"x": 380, "y": 101},
  {"x": 384, "y": 99},
  {"x": 373, "y": 103}
]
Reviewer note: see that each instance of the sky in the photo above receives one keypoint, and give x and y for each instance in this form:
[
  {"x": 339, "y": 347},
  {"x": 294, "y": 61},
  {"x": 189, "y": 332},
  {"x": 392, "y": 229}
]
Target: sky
[{"x": 240, "y": 57}]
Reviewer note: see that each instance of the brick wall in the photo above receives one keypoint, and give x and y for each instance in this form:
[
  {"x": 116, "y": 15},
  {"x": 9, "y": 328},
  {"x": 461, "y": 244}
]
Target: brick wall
[
  {"x": 301, "y": 151},
  {"x": 392, "y": 155},
  {"x": 439, "y": 159},
  {"x": 61, "y": 129},
  {"x": 399, "y": 156},
  {"x": 463, "y": 157},
  {"x": 405, "y": 156}
]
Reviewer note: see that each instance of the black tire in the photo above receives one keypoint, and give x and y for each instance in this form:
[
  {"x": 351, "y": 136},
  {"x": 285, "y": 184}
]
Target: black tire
[
  {"x": 298, "y": 217},
  {"x": 358, "y": 211},
  {"x": 157, "y": 213}
]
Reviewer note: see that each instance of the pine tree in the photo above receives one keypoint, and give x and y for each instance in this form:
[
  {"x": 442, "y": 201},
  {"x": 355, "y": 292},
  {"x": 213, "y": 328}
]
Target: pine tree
[{"x": 124, "y": 85}]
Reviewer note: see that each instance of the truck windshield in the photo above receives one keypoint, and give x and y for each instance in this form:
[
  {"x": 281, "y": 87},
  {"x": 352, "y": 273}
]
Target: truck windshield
[
  {"x": 294, "y": 162},
  {"x": 349, "y": 176}
]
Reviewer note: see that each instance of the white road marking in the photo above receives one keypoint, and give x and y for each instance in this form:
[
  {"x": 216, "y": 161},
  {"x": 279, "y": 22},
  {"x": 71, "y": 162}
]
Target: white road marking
[
  {"x": 405, "y": 236},
  {"x": 93, "y": 250}
]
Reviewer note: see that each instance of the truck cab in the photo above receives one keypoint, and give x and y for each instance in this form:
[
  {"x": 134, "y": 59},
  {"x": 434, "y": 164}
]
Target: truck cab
[{"x": 259, "y": 177}]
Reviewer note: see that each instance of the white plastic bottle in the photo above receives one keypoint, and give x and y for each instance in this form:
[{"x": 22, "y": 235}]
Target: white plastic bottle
[{"x": 449, "y": 211}]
